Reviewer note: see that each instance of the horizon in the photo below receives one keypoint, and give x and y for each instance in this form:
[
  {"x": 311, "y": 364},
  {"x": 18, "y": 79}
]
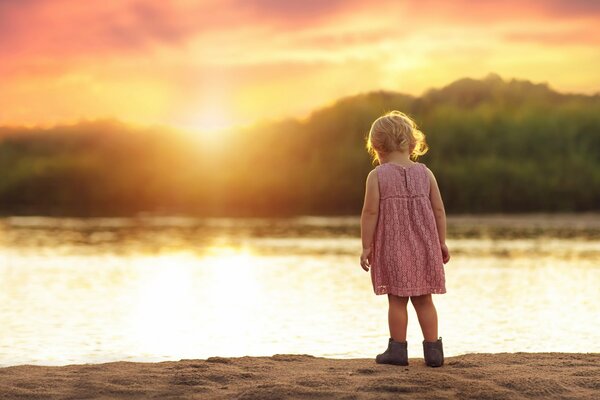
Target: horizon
[{"x": 212, "y": 65}]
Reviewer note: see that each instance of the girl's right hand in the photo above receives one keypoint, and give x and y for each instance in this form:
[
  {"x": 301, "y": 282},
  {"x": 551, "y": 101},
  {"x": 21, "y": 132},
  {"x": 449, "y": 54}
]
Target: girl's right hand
[
  {"x": 445, "y": 253},
  {"x": 365, "y": 259}
]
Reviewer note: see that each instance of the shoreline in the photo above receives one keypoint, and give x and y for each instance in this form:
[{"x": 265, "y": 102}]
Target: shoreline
[{"x": 291, "y": 376}]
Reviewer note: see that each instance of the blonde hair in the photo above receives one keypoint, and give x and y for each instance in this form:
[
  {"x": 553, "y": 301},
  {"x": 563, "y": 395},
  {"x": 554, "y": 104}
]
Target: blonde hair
[{"x": 395, "y": 131}]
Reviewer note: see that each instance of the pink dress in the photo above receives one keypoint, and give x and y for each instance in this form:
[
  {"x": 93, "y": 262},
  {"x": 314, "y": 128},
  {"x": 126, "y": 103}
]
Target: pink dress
[{"x": 406, "y": 257}]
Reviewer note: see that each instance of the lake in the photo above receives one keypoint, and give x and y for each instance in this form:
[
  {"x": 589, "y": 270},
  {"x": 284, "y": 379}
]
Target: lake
[{"x": 166, "y": 288}]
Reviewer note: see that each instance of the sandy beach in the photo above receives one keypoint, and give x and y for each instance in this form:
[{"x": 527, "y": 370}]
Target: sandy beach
[{"x": 285, "y": 376}]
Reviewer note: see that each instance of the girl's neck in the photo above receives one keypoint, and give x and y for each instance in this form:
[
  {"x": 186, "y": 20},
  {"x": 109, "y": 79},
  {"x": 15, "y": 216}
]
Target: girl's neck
[{"x": 396, "y": 157}]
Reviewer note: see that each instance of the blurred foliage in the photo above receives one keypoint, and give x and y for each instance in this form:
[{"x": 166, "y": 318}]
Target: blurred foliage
[{"x": 495, "y": 146}]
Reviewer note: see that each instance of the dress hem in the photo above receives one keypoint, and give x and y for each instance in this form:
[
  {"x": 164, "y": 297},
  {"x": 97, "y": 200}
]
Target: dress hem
[{"x": 409, "y": 292}]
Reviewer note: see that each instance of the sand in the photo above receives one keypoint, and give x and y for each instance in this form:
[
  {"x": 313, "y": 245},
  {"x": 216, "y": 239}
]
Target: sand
[{"x": 284, "y": 376}]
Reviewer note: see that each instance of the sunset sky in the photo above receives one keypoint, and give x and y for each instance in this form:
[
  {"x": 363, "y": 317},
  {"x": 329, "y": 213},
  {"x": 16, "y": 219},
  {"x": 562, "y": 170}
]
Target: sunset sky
[{"x": 205, "y": 65}]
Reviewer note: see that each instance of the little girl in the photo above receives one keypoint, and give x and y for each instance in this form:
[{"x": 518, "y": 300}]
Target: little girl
[{"x": 403, "y": 232}]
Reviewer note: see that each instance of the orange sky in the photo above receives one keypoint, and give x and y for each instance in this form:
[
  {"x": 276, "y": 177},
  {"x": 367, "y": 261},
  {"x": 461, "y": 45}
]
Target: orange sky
[{"x": 208, "y": 64}]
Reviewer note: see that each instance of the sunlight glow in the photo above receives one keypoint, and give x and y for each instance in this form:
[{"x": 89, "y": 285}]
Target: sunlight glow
[
  {"x": 161, "y": 315},
  {"x": 209, "y": 120},
  {"x": 164, "y": 319},
  {"x": 236, "y": 294}
]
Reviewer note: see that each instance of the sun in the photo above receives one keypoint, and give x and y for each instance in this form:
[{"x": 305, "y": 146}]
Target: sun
[
  {"x": 213, "y": 119},
  {"x": 208, "y": 120},
  {"x": 208, "y": 126}
]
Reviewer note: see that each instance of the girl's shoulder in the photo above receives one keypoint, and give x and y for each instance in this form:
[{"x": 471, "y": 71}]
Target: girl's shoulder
[
  {"x": 422, "y": 165},
  {"x": 372, "y": 175},
  {"x": 429, "y": 173},
  {"x": 416, "y": 164}
]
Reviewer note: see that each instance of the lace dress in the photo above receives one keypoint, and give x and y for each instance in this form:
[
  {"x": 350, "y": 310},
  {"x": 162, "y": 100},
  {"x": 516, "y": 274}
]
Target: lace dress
[{"x": 406, "y": 256}]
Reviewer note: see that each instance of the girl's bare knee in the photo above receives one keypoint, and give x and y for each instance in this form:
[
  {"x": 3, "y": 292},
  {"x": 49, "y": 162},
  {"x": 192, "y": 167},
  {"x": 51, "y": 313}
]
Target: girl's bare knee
[
  {"x": 421, "y": 301},
  {"x": 400, "y": 300}
]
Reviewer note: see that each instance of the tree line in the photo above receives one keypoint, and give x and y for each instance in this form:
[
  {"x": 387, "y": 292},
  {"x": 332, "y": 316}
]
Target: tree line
[{"x": 495, "y": 146}]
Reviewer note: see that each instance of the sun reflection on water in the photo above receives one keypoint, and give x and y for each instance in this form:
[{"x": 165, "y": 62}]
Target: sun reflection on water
[
  {"x": 181, "y": 298},
  {"x": 161, "y": 305}
]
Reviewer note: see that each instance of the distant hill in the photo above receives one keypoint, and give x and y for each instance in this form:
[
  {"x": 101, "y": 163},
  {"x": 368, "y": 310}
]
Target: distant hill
[{"x": 496, "y": 146}]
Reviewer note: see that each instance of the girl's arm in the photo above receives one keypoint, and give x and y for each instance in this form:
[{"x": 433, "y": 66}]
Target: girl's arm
[
  {"x": 440, "y": 214},
  {"x": 368, "y": 218}
]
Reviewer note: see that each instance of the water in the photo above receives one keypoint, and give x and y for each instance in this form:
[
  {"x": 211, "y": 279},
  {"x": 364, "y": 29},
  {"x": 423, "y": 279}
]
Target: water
[{"x": 156, "y": 289}]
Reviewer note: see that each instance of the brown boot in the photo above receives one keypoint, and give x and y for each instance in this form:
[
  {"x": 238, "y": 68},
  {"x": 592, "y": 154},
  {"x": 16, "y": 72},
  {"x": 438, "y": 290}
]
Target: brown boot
[
  {"x": 396, "y": 354},
  {"x": 434, "y": 353}
]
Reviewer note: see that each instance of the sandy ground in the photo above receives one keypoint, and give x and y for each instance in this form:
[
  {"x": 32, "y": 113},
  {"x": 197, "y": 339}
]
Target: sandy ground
[{"x": 282, "y": 376}]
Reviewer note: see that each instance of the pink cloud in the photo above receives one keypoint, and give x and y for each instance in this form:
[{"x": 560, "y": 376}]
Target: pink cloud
[
  {"x": 59, "y": 28},
  {"x": 557, "y": 38},
  {"x": 90, "y": 27},
  {"x": 72, "y": 26},
  {"x": 467, "y": 12}
]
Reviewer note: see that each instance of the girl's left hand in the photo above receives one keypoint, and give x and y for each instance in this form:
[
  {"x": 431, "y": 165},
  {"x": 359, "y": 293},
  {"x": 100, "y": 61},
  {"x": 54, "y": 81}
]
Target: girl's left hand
[{"x": 365, "y": 259}]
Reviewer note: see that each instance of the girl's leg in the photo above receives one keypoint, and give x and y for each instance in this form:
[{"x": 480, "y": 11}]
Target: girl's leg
[
  {"x": 397, "y": 317},
  {"x": 427, "y": 315}
]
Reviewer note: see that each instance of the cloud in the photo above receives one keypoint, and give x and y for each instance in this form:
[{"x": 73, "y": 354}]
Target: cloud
[
  {"x": 61, "y": 28},
  {"x": 293, "y": 12},
  {"x": 467, "y": 13},
  {"x": 557, "y": 38},
  {"x": 571, "y": 7},
  {"x": 76, "y": 28}
]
